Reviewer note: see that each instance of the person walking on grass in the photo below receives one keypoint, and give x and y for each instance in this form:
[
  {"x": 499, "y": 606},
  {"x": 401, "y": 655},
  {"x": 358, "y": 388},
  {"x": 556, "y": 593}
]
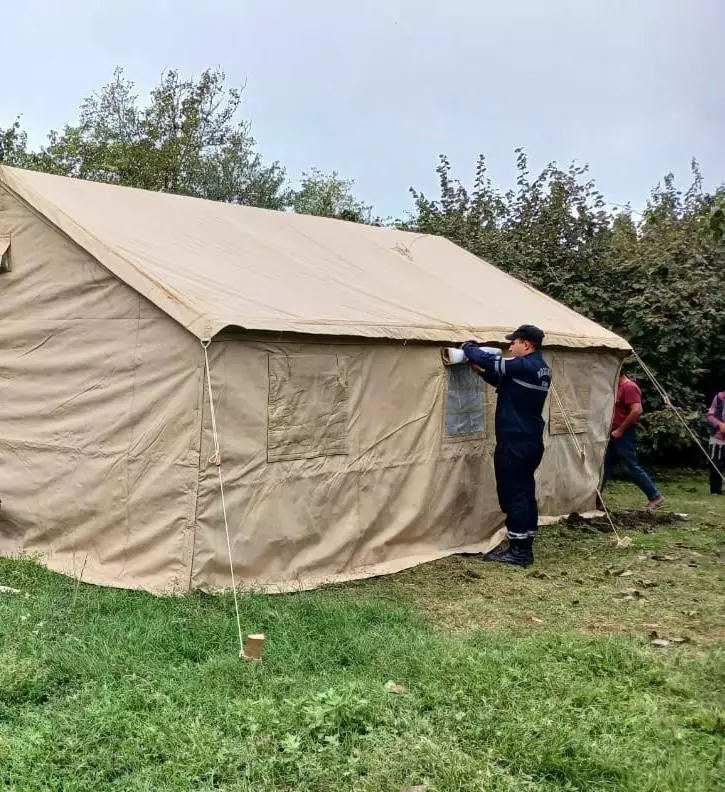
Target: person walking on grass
[
  {"x": 523, "y": 382},
  {"x": 716, "y": 418},
  {"x": 623, "y": 440}
]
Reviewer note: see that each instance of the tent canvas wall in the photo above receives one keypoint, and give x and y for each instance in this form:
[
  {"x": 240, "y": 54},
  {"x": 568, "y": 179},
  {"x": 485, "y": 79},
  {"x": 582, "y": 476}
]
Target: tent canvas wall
[{"x": 348, "y": 449}]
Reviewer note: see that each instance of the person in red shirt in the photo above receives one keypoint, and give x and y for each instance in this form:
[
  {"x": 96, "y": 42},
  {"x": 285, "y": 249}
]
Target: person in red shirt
[{"x": 623, "y": 440}]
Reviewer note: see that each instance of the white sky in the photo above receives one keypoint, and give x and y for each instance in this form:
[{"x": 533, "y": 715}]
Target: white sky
[{"x": 376, "y": 89}]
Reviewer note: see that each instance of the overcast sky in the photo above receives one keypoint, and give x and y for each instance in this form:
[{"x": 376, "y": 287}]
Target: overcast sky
[{"x": 376, "y": 89}]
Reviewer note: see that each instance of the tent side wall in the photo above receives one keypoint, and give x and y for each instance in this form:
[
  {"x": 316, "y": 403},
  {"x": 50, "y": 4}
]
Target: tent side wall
[
  {"x": 339, "y": 463},
  {"x": 102, "y": 399},
  {"x": 585, "y": 383}
]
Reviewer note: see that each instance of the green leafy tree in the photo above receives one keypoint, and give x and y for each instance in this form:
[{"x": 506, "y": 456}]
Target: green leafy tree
[
  {"x": 14, "y": 148},
  {"x": 13, "y": 145},
  {"x": 666, "y": 304},
  {"x": 716, "y": 217},
  {"x": 328, "y": 195},
  {"x": 188, "y": 139}
]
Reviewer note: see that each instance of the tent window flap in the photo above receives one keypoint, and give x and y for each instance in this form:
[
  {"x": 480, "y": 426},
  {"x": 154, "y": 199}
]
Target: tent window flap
[
  {"x": 573, "y": 384},
  {"x": 307, "y": 407}
]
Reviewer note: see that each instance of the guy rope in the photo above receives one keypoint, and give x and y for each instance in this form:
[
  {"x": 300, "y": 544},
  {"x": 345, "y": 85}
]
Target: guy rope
[
  {"x": 217, "y": 460},
  {"x": 622, "y": 541}
]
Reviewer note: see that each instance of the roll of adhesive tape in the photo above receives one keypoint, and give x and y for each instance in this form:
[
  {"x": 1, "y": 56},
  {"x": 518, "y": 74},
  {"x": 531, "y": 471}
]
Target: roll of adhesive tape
[{"x": 451, "y": 356}]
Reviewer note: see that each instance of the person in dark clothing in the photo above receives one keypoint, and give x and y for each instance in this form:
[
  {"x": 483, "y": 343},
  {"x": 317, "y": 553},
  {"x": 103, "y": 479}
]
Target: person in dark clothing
[{"x": 522, "y": 381}]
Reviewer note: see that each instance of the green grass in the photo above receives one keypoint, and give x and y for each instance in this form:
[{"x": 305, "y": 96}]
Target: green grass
[
  {"x": 580, "y": 578},
  {"x": 543, "y": 679}
]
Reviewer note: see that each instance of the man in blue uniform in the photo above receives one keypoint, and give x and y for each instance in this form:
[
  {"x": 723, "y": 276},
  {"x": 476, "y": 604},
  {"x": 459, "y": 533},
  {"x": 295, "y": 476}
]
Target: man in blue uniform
[{"x": 522, "y": 381}]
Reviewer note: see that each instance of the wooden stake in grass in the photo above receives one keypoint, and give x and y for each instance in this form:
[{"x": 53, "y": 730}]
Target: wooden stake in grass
[{"x": 254, "y": 647}]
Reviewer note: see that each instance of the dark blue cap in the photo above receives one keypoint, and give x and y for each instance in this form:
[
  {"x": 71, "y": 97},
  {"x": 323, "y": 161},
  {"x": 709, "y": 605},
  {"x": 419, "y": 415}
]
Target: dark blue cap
[{"x": 531, "y": 333}]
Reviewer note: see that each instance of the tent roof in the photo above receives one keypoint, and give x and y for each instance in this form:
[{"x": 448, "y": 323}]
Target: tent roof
[{"x": 212, "y": 265}]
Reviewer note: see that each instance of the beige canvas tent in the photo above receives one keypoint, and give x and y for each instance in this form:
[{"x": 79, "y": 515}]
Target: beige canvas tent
[{"x": 347, "y": 448}]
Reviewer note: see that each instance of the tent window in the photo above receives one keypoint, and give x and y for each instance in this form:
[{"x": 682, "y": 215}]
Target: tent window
[
  {"x": 4, "y": 253},
  {"x": 307, "y": 407},
  {"x": 464, "y": 402},
  {"x": 573, "y": 384}
]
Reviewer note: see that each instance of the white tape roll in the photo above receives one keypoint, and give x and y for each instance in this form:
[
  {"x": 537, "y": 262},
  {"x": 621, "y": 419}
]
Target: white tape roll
[{"x": 451, "y": 356}]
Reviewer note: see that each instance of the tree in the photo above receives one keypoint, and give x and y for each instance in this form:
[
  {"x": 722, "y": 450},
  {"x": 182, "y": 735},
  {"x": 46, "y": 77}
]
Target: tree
[
  {"x": 14, "y": 146},
  {"x": 474, "y": 221},
  {"x": 188, "y": 139},
  {"x": 716, "y": 218},
  {"x": 668, "y": 306},
  {"x": 550, "y": 231},
  {"x": 327, "y": 195}
]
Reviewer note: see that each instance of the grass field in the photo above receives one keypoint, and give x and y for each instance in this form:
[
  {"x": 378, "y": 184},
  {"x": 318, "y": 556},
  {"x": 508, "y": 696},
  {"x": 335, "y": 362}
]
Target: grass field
[{"x": 505, "y": 679}]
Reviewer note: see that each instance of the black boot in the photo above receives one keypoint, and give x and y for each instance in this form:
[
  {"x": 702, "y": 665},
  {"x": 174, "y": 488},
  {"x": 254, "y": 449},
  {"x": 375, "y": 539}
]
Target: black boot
[{"x": 519, "y": 553}]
